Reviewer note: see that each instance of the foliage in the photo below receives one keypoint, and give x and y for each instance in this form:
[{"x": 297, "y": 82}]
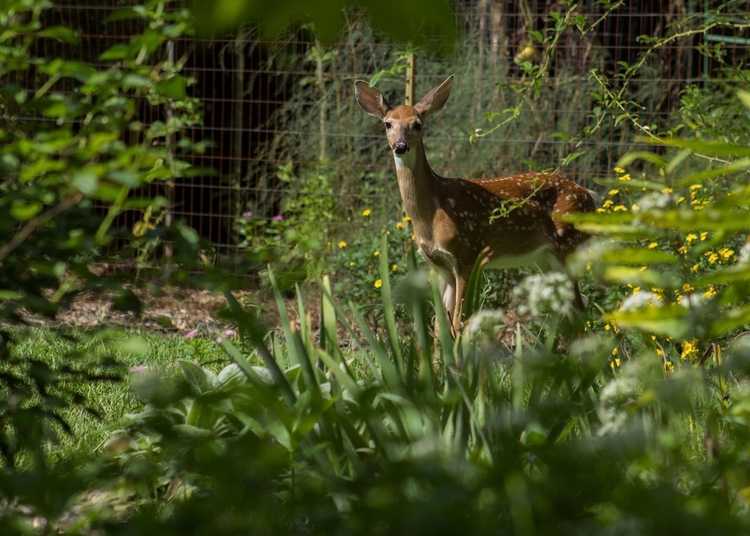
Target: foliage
[
  {"x": 468, "y": 435},
  {"x": 293, "y": 240},
  {"x": 356, "y": 263},
  {"x": 72, "y": 158},
  {"x": 628, "y": 418},
  {"x": 423, "y": 22}
]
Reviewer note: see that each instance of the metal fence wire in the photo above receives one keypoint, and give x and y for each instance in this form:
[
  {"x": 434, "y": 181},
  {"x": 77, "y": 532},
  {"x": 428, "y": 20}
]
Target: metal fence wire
[{"x": 275, "y": 111}]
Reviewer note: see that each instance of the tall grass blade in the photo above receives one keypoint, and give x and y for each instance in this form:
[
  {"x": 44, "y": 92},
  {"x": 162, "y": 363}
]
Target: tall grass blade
[
  {"x": 295, "y": 345},
  {"x": 389, "y": 311},
  {"x": 252, "y": 331}
]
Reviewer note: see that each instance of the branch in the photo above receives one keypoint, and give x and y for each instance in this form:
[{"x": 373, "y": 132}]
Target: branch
[{"x": 35, "y": 223}]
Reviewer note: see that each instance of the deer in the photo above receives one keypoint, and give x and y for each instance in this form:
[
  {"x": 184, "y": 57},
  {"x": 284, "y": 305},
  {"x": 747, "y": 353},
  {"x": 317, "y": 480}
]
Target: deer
[{"x": 460, "y": 221}]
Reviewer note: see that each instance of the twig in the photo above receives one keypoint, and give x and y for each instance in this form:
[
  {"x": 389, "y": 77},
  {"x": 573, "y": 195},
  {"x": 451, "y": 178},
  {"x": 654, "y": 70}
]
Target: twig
[{"x": 32, "y": 225}]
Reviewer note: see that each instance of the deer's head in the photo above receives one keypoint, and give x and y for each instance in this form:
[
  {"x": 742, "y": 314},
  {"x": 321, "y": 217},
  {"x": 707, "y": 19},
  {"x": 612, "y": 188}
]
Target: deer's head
[{"x": 403, "y": 124}]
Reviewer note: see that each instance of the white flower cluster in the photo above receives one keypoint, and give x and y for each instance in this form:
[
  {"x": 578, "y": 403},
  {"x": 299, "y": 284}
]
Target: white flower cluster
[
  {"x": 744, "y": 256},
  {"x": 484, "y": 327},
  {"x": 640, "y": 299},
  {"x": 655, "y": 201},
  {"x": 541, "y": 294},
  {"x": 692, "y": 301},
  {"x": 613, "y": 401}
]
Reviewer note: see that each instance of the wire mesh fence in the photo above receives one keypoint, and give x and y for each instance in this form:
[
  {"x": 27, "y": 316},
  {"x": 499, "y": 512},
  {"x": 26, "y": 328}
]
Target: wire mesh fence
[{"x": 277, "y": 113}]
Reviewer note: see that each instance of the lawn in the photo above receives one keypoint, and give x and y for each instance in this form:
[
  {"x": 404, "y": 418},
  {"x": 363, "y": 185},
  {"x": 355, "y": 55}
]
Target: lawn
[{"x": 131, "y": 349}]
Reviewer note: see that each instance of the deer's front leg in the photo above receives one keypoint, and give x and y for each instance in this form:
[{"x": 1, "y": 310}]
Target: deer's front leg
[{"x": 460, "y": 287}]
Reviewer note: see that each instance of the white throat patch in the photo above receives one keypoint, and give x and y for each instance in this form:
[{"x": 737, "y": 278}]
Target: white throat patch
[{"x": 406, "y": 160}]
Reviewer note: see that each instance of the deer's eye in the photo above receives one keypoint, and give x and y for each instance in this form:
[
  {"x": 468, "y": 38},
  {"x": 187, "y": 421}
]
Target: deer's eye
[
  {"x": 388, "y": 125},
  {"x": 417, "y": 126}
]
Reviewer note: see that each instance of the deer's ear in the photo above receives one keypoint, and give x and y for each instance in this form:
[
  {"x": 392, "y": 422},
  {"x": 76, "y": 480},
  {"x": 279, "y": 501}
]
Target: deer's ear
[
  {"x": 435, "y": 98},
  {"x": 370, "y": 99}
]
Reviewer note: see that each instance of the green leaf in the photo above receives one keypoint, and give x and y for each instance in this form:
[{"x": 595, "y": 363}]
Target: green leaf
[
  {"x": 195, "y": 376},
  {"x": 117, "y": 52},
  {"x": 25, "y": 210},
  {"x": 734, "y": 167},
  {"x": 648, "y": 156},
  {"x": 671, "y": 321},
  {"x": 730, "y": 321},
  {"x": 61, "y": 33},
  {"x": 173, "y": 88},
  {"x": 707, "y": 147},
  {"x": 638, "y": 256},
  {"x": 86, "y": 180},
  {"x": 638, "y": 276}
]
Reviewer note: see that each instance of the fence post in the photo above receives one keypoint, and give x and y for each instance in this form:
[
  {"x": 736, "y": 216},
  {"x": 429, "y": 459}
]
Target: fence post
[
  {"x": 411, "y": 73},
  {"x": 170, "y": 185}
]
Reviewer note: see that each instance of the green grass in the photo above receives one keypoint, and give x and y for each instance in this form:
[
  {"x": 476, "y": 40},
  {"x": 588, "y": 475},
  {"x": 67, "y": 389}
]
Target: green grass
[{"x": 130, "y": 348}]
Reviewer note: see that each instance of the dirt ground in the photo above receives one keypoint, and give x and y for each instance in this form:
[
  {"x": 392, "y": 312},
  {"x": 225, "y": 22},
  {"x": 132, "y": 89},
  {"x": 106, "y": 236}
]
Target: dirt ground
[{"x": 171, "y": 309}]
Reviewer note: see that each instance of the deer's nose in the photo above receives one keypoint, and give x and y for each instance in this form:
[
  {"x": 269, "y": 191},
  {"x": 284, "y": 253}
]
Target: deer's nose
[{"x": 401, "y": 147}]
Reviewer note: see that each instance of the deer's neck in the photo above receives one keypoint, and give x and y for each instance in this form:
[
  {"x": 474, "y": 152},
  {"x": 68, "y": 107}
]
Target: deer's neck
[{"x": 416, "y": 181}]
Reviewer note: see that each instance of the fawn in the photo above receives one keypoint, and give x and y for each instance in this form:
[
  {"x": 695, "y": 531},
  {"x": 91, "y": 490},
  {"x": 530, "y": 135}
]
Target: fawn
[{"x": 457, "y": 220}]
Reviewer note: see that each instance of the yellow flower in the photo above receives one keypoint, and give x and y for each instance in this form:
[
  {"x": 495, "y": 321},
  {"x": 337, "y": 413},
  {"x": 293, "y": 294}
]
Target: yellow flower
[
  {"x": 726, "y": 253},
  {"x": 615, "y": 363},
  {"x": 694, "y": 268},
  {"x": 342, "y": 244},
  {"x": 625, "y": 178},
  {"x": 653, "y": 245},
  {"x": 376, "y": 253},
  {"x": 394, "y": 268},
  {"x": 682, "y": 250},
  {"x": 689, "y": 349},
  {"x": 607, "y": 203},
  {"x": 691, "y": 237},
  {"x": 400, "y": 226},
  {"x": 660, "y": 352},
  {"x": 366, "y": 213},
  {"x": 613, "y": 192},
  {"x": 694, "y": 187},
  {"x": 378, "y": 283},
  {"x": 635, "y": 207},
  {"x": 704, "y": 235},
  {"x": 620, "y": 208},
  {"x": 619, "y": 170},
  {"x": 636, "y": 290},
  {"x": 712, "y": 257},
  {"x": 687, "y": 287},
  {"x": 615, "y": 351},
  {"x": 657, "y": 291},
  {"x": 668, "y": 366},
  {"x": 666, "y": 190},
  {"x": 406, "y": 219},
  {"x": 601, "y": 210},
  {"x": 710, "y": 292},
  {"x": 680, "y": 199}
]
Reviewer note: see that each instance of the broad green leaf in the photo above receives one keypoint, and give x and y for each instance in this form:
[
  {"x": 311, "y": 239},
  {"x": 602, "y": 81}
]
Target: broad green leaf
[
  {"x": 173, "y": 88},
  {"x": 116, "y": 52},
  {"x": 648, "y": 156},
  {"x": 86, "y": 180},
  {"x": 707, "y": 147},
  {"x": 61, "y": 33},
  {"x": 638, "y": 276},
  {"x": 730, "y": 320},
  {"x": 671, "y": 321},
  {"x": 638, "y": 256},
  {"x": 25, "y": 210},
  {"x": 734, "y": 167}
]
